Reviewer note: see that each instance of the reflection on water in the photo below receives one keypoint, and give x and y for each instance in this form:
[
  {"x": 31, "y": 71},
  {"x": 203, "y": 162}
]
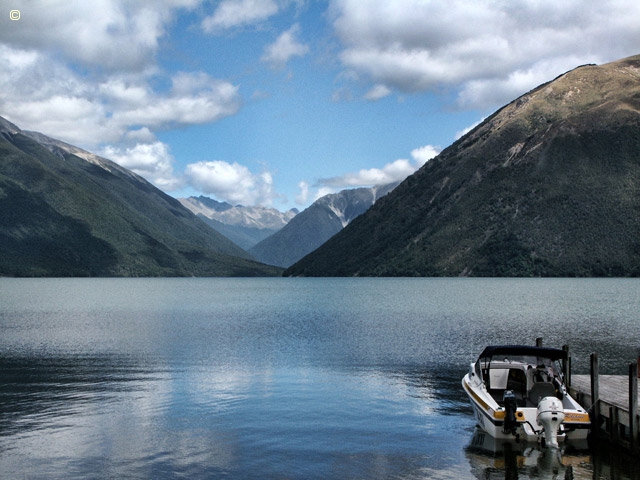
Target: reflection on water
[
  {"x": 490, "y": 459},
  {"x": 280, "y": 378},
  {"x": 36, "y": 389},
  {"x": 114, "y": 416}
]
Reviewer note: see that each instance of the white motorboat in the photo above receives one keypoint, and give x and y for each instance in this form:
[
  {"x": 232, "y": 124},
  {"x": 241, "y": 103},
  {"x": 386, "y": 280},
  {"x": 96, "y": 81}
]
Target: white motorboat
[{"x": 518, "y": 393}]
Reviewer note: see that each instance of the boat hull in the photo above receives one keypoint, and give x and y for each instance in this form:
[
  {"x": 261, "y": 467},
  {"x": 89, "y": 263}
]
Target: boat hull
[{"x": 491, "y": 418}]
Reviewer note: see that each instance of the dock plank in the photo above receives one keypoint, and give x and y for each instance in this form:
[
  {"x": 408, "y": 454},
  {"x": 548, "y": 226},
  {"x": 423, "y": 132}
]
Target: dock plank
[
  {"x": 614, "y": 389},
  {"x": 617, "y": 420}
]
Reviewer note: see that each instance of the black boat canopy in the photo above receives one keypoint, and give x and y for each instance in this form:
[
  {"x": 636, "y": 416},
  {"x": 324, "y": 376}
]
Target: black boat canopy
[{"x": 524, "y": 350}]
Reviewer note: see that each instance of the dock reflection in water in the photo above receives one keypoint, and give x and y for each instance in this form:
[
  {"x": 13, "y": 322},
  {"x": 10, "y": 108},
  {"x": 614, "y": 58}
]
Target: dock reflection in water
[{"x": 493, "y": 459}]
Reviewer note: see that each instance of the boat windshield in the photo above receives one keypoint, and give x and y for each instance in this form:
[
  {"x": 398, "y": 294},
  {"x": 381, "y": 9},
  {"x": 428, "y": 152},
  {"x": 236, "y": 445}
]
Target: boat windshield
[
  {"x": 522, "y": 355},
  {"x": 522, "y": 360},
  {"x": 552, "y": 367}
]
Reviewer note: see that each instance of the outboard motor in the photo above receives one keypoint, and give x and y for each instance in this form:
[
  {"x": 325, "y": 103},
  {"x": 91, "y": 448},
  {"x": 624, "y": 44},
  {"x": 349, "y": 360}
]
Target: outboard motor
[
  {"x": 510, "y": 407},
  {"x": 550, "y": 415}
]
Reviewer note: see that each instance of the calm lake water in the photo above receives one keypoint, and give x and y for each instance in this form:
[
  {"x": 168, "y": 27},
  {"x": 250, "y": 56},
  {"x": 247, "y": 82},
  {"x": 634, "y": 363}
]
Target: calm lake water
[{"x": 283, "y": 378}]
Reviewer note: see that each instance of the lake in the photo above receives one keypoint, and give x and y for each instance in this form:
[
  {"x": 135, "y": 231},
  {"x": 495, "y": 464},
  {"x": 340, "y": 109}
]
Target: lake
[{"x": 284, "y": 378}]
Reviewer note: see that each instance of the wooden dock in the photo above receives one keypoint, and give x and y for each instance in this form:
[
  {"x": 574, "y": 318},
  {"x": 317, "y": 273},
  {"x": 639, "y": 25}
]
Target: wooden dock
[{"x": 612, "y": 402}]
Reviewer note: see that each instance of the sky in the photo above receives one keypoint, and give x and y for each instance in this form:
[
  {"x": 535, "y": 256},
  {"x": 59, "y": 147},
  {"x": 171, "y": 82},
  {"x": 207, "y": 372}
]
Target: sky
[{"x": 278, "y": 102}]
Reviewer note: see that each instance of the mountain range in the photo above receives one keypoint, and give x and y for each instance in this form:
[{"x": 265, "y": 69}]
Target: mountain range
[
  {"x": 316, "y": 224},
  {"x": 67, "y": 212},
  {"x": 549, "y": 185},
  {"x": 244, "y": 225}
]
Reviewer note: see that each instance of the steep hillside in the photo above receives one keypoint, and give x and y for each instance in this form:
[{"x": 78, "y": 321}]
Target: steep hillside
[
  {"x": 316, "y": 224},
  {"x": 245, "y": 226},
  {"x": 547, "y": 186},
  {"x": 67, "y": 212}
]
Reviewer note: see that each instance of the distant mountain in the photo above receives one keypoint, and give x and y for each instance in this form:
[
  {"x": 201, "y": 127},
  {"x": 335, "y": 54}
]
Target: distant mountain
[
  {"x": 316, "y": 224},
  {"x": 245, "y": 226},
  {"x": 549, "y": 185},
  {"x": 67, "y": 212}
]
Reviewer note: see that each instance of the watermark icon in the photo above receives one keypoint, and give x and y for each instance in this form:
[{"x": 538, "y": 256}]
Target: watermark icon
[{"x": 14, "y": 14}]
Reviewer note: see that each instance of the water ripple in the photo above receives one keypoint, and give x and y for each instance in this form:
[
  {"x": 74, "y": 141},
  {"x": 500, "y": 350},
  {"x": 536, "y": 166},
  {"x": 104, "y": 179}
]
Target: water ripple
[{"x": 273, "y": 378}]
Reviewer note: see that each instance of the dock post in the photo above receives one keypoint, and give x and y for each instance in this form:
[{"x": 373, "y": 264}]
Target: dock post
[
  {"x": 633, "y": 404},
  {"x": 567, "y": 367},
  {"x": 595, "y": 391},
  {"x": 539, "y": 342},
  {"x": 614, "y": 424}
]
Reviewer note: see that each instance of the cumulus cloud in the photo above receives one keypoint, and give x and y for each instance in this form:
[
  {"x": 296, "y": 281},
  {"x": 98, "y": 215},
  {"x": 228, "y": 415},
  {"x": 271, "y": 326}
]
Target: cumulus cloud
[
  {"x": 39, "y": 93},
  {"x": 238, "y": 13},
  {"x": 391, "y": 172},
  {"x": 492, "y": 51},
  {"x": 116, "y": 35},
  {"x": 422, "y": 155},
  {"x": 152, "y": 161},
  {"x": 141, "y": 135},
  {"x": 395, "y": 171},
  {"x": 303, "y": 196},
  {"x": 86, "y": 73},
  {"x": 284, "y": 48},
  {"x": 377, "y": 92},
  {"x": 195, "y": 98},
  {"x": 115, "y": 115},
  {"x": 232, "y": 182}
]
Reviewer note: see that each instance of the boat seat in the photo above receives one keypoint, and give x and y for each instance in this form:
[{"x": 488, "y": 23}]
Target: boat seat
[
  {"x": 517, "y": 382},
  {"x": 541, "y": 390}
]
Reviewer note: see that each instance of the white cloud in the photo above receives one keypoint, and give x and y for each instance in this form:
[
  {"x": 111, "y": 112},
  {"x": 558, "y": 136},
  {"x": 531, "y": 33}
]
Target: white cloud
[
  {"x": 491, "y": 51},
  {"x": 152, "y": 161},
  {"x": 67, "y": 117},
  {"x": 141, "y": 135},
  {"x": 116, "y": 35},
  {"x": 85, "y": 72},
  {"x": 303, "y": 196},
  {"x": 377, "y": 92},
  {"x": 495, "y": 91},
  {"x": 41, "y": 94},
  {"x": 232, "y": 182},
  {"x": 324, "y": 191},
  {"x": 464, "y": 131},
  {"x": 195, "y": 98},
  {"x": 395, "y": 171},
  {"x": 284, "y": 48},
  {"x": 422, "y": 155},
  {"x": 121, "y": 91},
  {"x": 238, "y": 13}
]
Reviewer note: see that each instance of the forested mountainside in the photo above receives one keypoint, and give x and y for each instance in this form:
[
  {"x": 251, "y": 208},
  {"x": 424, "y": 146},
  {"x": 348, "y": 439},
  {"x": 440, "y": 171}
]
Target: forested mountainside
[
  {"x": 549, "y": 185},
  {"x": 67, "y": 212}
]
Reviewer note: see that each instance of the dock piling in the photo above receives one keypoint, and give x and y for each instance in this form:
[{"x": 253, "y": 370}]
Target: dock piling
[
  {"x": 611, "y": 400},
  {"x": 633, "y": 404},
  {"x": 612, "y": 404},
  {"x": 567, "y": 367},
  {"x": 595, "y": 390}
]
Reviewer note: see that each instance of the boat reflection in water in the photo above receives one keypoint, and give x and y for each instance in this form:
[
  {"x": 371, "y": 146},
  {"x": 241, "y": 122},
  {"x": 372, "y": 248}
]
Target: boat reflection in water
[{"x": 491, "y": 458}]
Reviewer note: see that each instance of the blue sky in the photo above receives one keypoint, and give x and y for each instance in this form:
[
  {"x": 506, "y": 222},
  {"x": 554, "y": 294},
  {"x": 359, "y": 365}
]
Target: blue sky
[{"x": 276, "y": 102}]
